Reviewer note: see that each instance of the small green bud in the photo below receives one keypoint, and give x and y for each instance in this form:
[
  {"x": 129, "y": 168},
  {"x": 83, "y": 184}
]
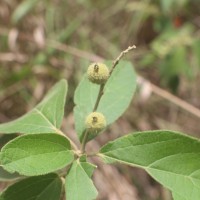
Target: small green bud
[
  {"x": 98, "y": 73},
  {"x": 95, "y": 122}
]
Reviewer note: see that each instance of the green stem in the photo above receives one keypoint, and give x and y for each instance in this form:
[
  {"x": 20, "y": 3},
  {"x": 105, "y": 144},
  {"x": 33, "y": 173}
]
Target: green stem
[
  {"x": 101, "y": 91},
  {"x": 92, "y": 154},
  {"x": 86, "y": 133},
  {"x": 99, "y": 97},
  {"x": 121, "y": 55},
  {"x": 84, "y": 141}
]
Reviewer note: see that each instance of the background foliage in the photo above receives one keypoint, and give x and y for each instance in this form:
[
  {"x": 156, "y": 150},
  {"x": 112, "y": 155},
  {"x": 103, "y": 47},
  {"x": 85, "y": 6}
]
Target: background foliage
[{"x": 44, "y": 41}]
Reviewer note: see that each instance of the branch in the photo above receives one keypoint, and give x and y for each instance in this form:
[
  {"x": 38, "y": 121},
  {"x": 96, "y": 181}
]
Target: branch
[
  {"x": 122, "y": 54},
  {"x": 100, "y": 94}
]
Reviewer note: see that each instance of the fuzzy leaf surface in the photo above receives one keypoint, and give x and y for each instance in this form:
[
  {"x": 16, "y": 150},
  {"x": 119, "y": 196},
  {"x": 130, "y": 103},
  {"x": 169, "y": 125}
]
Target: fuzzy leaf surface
[
  {"x": 170, "y": 157},
  {"x": 46, "y": 187},
  {"x": 118, "y": 93},
  {"x": 46, "y": 117},
  {"x": 79, "y": 185},
  {"x": 36, "y": 154}
]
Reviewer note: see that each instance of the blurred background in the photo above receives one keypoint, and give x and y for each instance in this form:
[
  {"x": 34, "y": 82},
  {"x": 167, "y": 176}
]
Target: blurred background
[{"x": 44, "y": 41}]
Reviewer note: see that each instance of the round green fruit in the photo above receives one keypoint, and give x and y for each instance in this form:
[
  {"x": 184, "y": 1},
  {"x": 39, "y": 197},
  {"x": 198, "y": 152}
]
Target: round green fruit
[
  {"x": 98, "y": 73},
  {"x": 95, "y": 122}
]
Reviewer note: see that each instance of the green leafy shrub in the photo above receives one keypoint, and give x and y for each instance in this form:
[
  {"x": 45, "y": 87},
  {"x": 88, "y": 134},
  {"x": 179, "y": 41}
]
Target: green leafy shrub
[{"x": 43, "y": 158}]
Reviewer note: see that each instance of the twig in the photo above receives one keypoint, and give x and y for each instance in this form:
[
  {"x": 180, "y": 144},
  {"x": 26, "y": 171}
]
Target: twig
[
  {"x": 170, "y": 97},
  {"x": 99, "y": 97},
  {"x": 100, "y": 94},
  {"x": 86, "y": 133},
  {"x": 157, "y": 90},
  {"x": 11, "y": 57},
  {"x": 122, "y": 54},
  {"x": 84, "y": 141},
  {"x": 73, "y": 51},
  {"x": 177, "y": 101}
]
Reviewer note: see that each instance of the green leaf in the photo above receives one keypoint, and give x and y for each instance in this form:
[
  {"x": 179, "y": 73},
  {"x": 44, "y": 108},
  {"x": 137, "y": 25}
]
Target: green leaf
[
  {"x": 46, "y": 117},
  {"x": 23, "y": 9},
  {"x": 118, "y": 93},
  {"x": 78, "y": 184},
  {"x": 88, "y": 168},
  {"x": 6, "y": 176},
  {"x": 46, "y": 187},
  {"x": 36, "y": 154},
  {"x": 171, "y": 158}
]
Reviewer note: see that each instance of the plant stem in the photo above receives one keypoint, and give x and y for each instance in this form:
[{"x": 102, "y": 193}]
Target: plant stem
[
  {"x": 84, "y": 141},
  {"x": 86, "y": 133},
  {"x": 99, "y": 97},
  {"x": 92, "y": 154},
  {"x": 122, "y": 54},
  {"x": 101, "y": 92}
]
